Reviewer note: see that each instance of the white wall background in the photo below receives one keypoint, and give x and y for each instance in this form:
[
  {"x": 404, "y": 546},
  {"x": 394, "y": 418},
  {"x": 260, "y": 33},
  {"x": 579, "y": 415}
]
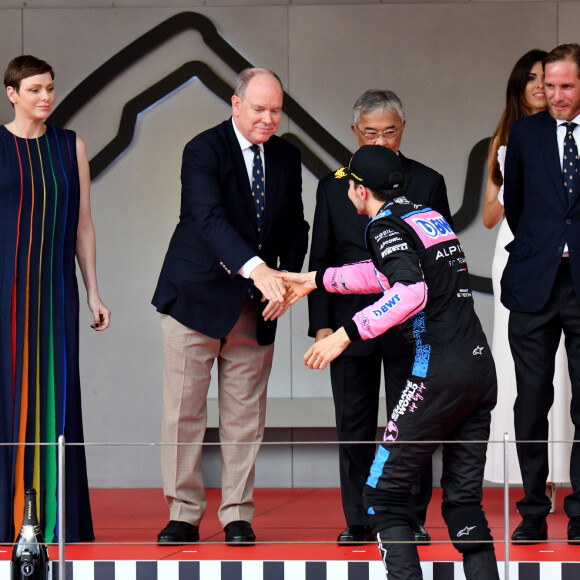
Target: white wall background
[{"x": 449, "y": 63}]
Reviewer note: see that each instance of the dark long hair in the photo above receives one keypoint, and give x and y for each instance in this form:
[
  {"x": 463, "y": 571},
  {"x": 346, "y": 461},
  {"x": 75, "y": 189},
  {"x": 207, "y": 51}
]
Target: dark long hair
[{"x": 515, "y": 105}]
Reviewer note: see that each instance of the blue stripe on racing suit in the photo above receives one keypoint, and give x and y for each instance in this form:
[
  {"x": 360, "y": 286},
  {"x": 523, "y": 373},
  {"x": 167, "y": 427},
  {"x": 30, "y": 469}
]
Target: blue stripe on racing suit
[{"x": 377, "y": 466}]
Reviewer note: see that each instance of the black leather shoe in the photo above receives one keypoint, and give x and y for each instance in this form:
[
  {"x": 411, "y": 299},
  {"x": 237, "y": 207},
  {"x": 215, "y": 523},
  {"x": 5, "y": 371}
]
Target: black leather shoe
[
  {"x": 355, "y": 535},
  {"x": 532, "y": 529},
  {"x": 422, "y": 536},
  {"x": 239, "y": 533},
  {"x": 178, "y": 533},
  {"x": 574, "y": 530}
]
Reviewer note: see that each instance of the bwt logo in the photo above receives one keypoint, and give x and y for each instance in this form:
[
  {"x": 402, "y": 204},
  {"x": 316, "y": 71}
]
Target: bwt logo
[
  {"x": 434, "y": 227},
  {"x": 386, "y": 306}
]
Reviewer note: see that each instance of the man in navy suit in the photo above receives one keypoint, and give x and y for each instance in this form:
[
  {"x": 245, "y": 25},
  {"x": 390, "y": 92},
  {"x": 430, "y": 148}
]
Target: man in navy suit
[
  {"x": 337, "y": 239},
  {"x": 241, "y": 219},
  {"x": 541, "y": 282}
]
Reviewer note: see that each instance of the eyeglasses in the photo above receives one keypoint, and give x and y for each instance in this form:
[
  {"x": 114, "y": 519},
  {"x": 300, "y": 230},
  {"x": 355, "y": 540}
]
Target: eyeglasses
[{"x": 372, "y": 136}]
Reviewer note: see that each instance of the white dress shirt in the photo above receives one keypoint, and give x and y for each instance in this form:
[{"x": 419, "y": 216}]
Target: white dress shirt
[{"x": 248, "y": 154}]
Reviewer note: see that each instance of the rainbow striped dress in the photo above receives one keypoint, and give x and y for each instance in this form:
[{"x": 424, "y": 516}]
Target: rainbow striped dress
[{"x": 39, "y": 306}]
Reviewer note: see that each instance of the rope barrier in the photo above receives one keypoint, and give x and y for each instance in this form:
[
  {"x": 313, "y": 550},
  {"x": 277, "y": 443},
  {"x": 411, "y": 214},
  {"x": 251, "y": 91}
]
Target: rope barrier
[{"x": 61, "y": 444}]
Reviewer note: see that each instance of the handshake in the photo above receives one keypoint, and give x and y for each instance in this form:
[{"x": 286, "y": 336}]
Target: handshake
[{"x": 282, "y": 290}]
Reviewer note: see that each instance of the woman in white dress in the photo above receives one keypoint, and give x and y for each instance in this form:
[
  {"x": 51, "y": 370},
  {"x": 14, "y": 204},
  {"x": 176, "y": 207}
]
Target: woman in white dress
[{"x": 524, "y": 96}]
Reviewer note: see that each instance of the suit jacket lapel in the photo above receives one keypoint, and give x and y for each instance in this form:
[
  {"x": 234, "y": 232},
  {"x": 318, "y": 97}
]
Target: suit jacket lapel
[
  {"x": 572, "y": 199},
  {"x": 273, "y": 171},
  {"x": 239, "y": 165},
  {"x": 549, "y": 147},
  {"x": 407, "y": 170}
]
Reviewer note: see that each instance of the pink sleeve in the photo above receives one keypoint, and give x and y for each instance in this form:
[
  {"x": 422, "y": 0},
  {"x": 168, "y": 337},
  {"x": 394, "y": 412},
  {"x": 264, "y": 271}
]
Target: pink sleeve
[
  {"x": 359, "y": 278},
  {"x": 397, "y": 305}
]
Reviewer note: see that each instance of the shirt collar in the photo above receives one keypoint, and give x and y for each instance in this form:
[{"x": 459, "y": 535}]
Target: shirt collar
[
  {"x": 576, "y": 120},
  {"x": 244, "y": 143}
]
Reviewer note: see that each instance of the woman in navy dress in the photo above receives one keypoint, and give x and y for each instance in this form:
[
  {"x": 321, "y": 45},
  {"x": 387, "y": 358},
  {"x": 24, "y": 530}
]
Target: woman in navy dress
[{"x": 45, "y": 221}]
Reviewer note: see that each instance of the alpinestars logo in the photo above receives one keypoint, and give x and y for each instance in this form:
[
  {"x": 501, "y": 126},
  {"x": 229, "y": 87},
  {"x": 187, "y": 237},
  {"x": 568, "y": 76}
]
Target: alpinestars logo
[
  {"x": 478, "y": 350},
  {"x": 343, "y": 283},
  {"x": 465, "y": 531}
]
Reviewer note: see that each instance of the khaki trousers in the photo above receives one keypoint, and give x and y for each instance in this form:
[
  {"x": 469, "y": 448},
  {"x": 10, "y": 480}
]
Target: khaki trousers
[{"x": 243, "y": 371}]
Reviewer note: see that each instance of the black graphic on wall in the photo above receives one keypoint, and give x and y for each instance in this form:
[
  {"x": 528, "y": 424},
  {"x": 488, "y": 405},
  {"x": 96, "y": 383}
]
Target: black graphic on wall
[{"x": 154, "y": 38}]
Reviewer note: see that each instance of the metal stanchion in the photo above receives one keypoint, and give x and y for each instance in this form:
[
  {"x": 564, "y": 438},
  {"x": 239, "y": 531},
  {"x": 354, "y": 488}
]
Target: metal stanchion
[
  {"x": 506, "y": 503},
  {"x": 61, "y": 510}
]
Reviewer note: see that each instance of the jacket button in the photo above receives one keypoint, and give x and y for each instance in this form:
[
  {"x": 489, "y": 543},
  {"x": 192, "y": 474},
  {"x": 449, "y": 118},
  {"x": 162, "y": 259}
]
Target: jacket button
[
  {"x": 568, "y": 221},
  {"x": 259, "y": 246},
  {"x": 560, "y": 249}
]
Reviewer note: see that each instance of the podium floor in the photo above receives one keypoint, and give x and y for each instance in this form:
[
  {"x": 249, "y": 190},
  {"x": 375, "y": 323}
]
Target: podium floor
[{"x": 296, "y": 533}]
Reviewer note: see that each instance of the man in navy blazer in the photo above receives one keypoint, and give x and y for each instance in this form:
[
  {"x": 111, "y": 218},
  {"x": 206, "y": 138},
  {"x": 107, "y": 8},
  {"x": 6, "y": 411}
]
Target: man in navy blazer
[
  {"x": 541, "y": 282},
  {"x": 337, "y": 239},
  {"x": 216, "y": 288}
]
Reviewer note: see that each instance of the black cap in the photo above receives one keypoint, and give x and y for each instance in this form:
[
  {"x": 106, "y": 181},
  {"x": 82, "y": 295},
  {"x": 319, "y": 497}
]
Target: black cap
[{"x": 376, "y": 167}]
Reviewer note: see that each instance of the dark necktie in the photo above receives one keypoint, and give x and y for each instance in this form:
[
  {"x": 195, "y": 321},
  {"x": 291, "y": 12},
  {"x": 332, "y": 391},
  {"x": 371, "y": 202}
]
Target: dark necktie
[
  {"x": 570, "y": 161},
  {"x": 258, "y": 197},
  {"x": 258, "y": 187}
]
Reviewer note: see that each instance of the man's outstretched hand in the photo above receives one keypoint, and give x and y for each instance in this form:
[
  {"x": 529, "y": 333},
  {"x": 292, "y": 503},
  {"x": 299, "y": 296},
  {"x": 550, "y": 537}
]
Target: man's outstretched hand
[
  {"x": 268, "y": 283},
  {"x": 299, "y": 284}
]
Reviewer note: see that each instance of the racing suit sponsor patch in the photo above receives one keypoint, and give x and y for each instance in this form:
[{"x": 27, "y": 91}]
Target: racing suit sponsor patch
[
  {"x": 391, "y": 249},
  {"x": 409, "y": 399},
  {"x": 379, "y": 312}
]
